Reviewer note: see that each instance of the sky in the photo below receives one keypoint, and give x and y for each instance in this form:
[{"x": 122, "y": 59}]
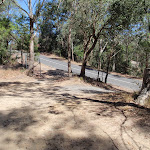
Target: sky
[{"x": 23, "y": 4}]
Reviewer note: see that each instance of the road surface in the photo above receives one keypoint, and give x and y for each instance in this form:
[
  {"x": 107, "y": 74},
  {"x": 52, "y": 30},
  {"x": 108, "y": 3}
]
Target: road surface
[{"x": 127, "y": 83}]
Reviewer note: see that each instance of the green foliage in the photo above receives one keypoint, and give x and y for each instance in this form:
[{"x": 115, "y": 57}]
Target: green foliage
[
  {"x": 78, "y": 52},
  {"x": 50, "y": 26},
  {"x": 121, "y": 21},
  {"x": 22, "y": 32},
  {"x": 5, "y": 29},
  {"x": 124, "y": 24}
]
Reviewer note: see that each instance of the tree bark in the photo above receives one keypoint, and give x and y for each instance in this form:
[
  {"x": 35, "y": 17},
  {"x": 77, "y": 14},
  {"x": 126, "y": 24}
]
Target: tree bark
[
  {"x": 86, "y": 55},
  {"x": 146, "y": 60},
  {"x": 31, "y": 48},
  {"x": 127, "y": 57},
  {"x": 21, "y": 57},
  {"x": 99, "y": 59},
  {"x": 82, "y": 74},
  {"x": 72, "y": 53},
  {"x": 114, "y": 65},
  {"x": 101, "y": 50},
  {"x": 107, "y": 70},
  {"x": 145, "y": 90},
  {"x": 69, "y": 54}
]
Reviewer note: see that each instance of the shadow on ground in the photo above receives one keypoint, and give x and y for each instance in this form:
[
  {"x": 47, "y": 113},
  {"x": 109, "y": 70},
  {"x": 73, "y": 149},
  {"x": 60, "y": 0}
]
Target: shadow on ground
[
  {"x": 20, "y": 120},
  {"x": 17, "y": 119},
  {"x": 54, "y": 75}
]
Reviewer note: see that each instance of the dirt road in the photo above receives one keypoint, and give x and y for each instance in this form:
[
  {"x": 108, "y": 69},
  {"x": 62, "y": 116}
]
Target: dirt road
[{"x": 55, "y": 113}]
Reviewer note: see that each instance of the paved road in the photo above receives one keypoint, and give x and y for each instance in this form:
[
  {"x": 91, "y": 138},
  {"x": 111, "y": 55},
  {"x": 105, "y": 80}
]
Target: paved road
[{"x": 130, "y": 84}]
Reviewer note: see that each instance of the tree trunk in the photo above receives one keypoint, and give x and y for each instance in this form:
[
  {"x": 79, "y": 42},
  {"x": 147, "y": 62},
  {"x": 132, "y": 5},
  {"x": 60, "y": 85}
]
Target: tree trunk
[
  {"x": 99, "y": 59},
  {"x": 72, "y": 53},
  {"x": 10, "y": 50},
  {"x": 127, "y": 58},
  {"x": 146, "y": 60},
  {"x": 145, "y": 90},
  {"x": 107, "y": 70},
  {"x": 69, "y": 54},
  {"x": 86, "y": 55},
  {"x": 82, "y": 74},
  {"x": 31, "y": 48},
  {"x": 114, "y": 65},
  {"x": 21, "y": 57}
]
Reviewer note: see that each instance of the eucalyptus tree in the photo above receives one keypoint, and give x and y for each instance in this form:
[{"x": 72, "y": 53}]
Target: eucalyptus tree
[
  {"x": 95, "y": 18},
  {"x": 144, "y": 95},
  {"x": 70, "y": 7},
  {"x": 33, "y": 12}
]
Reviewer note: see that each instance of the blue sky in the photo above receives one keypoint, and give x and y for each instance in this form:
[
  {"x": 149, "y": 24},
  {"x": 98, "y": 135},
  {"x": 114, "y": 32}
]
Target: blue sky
[{"x": 23, "y": 4}]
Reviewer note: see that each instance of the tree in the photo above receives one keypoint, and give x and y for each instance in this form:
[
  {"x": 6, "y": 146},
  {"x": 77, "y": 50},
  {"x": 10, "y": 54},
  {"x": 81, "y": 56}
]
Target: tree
[
  {"x": 70, "y": 7},
  {"x": 85, "y": 22},
  {"x": 145, "y": 90},
  {"x": 33, "y": 19},
  {"x": 6, "y": 28},
  {"x": 95, "y": 18}
]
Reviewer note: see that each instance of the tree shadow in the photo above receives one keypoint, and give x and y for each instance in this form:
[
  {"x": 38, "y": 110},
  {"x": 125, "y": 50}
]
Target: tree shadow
[
  {"x": 27, "y": 90},
  {"x": 95, "y": 92},
  {"x": 63, "y": 142},
  {"x": 17, "y": 119},
  {"x": 80, "y": 136},
  {"x": 55, "y": 75},
  {"x": 99, "y": 84},
  {"x": 20, "y": 120}
]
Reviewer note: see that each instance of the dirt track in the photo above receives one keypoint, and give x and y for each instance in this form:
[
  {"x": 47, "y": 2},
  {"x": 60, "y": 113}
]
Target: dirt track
[{"x": 51, "y": 114}]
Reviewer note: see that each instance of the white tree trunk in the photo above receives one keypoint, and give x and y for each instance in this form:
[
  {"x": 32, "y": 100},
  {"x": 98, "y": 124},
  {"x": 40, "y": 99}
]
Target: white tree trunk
[{"x": 145, "y": 90}]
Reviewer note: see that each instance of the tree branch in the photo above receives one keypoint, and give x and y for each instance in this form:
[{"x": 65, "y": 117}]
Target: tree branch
[
  {"x": 115, "y": 54},
  {"x": 34, "y": 3},
  {"x": 2, "y": 2},
  {"x": 14, "y": 37},
  {"x": 87, "y": 43},
  {"x": 38, "y": 11},
  {"x": 25, "y": 3},
  {"x": 20, "y": 7}
]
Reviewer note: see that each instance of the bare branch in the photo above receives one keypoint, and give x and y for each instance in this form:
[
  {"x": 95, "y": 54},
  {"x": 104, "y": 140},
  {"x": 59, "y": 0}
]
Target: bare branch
[
  {"x": 103, "y": 49},
  {"x": 38, "y": 11},
  {"x": 34, "y": 3},
  {"x": 20, "y": 7},
  {"x": 87, "y": 43},
  {"x": 14, "y": 37},
  {"x": 115, "y": 54},
  {"x": 25, "y": 3}
]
